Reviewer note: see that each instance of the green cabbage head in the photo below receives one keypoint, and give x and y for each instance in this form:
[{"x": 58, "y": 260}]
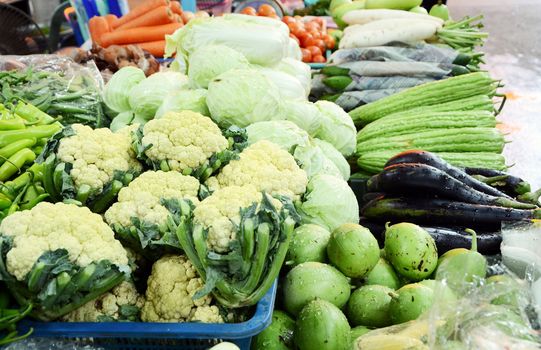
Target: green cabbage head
[
  {"x": 117, "y": 91},
  {"x": 184, "y": 100},
  {"x": 242, "y": 97},
  {"x": 147, "y": 96},
  {"x": 207, "y": 62},
  {"x": 328, "y": 202}
]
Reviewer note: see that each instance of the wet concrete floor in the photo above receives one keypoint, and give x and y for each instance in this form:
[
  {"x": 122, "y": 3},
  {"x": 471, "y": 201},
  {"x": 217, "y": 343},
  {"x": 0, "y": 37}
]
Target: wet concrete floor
[{"x": 513, "y": 54}]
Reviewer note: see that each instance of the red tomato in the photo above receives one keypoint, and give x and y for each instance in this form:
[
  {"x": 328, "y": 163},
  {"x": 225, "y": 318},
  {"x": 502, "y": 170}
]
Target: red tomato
[
  {"x": 314, "y": 51},
  {"x": 249, "y": 11},
  {"x": 288, "y": 19},
  {"x": 294, "y": 27},
  {"x": 266, "y": 10},
  {"x": 320, "y": 43},
  {"x": 308, "y": 40},
  {"x": 301, "y": 35},
  {"x": 309, "y": 26},
  {"x": 319, "y": 59},
  {"x": 316, "y": 34},
  {"x": 320, "y": 21},
  {"x": 330, "y": 43},
  {"x": 306, "y": 55},
  {"x": 295, "y": 38}
]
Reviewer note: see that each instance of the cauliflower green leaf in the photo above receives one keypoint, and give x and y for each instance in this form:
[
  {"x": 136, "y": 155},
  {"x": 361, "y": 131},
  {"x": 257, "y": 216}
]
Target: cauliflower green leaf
[
  {"x": 237, "y": 239},
  {"x": 58, "y": 265}
]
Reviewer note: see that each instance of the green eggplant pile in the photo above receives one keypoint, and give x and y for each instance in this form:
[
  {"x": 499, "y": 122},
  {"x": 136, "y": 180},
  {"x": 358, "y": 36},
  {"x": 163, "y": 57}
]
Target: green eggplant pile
[{"x": 420, "y": 187}]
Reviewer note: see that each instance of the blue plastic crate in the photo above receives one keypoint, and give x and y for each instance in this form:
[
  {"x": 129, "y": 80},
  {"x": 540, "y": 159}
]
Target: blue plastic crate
[{"x": 161, "y": 336}]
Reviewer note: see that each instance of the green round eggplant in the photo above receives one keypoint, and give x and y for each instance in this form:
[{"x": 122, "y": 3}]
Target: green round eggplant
[
  {"x": 311, "y": 280},
  {"x": 446, "y": 296},
  {"x": 309, "y": 243},
  {"x": 409, "y": 302},
  {"x": 461, "y": 267},
  {"x": 369, "y": 306},
  {"x": 439, "y": 10},
  {"x": 322, "y": 326},
  {"x": 505, "y": 290},
  {"x": 353, "y": 250},
  {"x": 411, "y": 251},
  {"x": 383, "y": 274},
  {"x": 277, "y": 336}
]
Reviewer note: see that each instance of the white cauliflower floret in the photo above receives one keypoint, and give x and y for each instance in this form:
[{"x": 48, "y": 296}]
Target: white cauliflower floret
[
  {"x": 186, "y": 140},
  {"x": 171, "y": 286},
  {"x": 266, "y": 166},
  {"x": 96, "y": 154},
  {"x": 220, "y": 213},
  {"x": 108, "y": 305},
  {"x": 142, "y": 198},
  {"x": 48, "y": 227}
]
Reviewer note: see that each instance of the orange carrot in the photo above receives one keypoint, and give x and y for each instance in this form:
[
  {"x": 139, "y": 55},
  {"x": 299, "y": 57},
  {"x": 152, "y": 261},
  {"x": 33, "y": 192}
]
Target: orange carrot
[
  {"x": 160, "y": 15},
  {"x": 156, "y": 48},
  {"x": 176, "y": 7},
  {"x": 139, "y": 35},
  {"x": 98, "y": 26},
  {"x": 139, "y": 10},
  {"x": 110, "y": 18}
]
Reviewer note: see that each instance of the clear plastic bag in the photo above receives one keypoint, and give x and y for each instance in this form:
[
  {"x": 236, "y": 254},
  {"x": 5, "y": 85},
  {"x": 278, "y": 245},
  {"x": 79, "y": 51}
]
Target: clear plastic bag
[
  {"x": 50, "y": 344},
  {"x": 56, "y": 85},
  {"x": 53, "y": 63},
  {"x": 494, "y": 313}
]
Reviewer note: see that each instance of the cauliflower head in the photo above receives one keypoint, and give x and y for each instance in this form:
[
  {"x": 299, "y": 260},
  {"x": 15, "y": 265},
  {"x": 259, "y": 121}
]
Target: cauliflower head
[
  {"x": 171, "y": 286},
  {"x": 219, "y": 213},
  {"x": 96, "y": 155},
  {"x": 121, "y": 303},
  {"x": 267, "y": 167},
  {"x": 48, "y": 227},
  {"x": 143, "y": 197},
  {"x": 184, "y": 140}
]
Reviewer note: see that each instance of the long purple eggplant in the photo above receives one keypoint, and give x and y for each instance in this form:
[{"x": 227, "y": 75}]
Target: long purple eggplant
[
  {"x": 415, "y": 177},
  {"x": 511, "y": 185},
  {"x": 444, "y": 212},
  {"x": 423, "y": 157}
]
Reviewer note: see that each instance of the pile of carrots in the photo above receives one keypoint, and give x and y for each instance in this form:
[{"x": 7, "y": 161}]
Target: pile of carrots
[{"x": 145, "y": 25}]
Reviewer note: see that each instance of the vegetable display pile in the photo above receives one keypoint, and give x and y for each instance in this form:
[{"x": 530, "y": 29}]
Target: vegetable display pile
[
  {"x": 455, "y": 118},
  {"x": 24, "y": 130},
  {"x": 217, "y": 177},
  {"x": 418, "y": 186},
  {"x": 188, "y": 201},
  {"x": 343, "y": 292},
  {"x": 144, "y": 26}
]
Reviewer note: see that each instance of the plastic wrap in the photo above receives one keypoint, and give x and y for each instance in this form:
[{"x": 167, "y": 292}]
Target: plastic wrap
[
  {"x": 398, "y": 52},
  {"x": 495, "y": 313},
  {"x": 56, "y": 85},
  {"x": 50, "y": 344},
  {"x": 53, "y": 63}
]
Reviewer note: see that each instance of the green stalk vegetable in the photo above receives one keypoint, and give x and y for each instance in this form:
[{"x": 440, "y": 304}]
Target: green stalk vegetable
[
  {"x": 15, "y": 163},
  {"x": 14, "y": 147},
  {"x": 37, "y": 132},
  {"x": 12, "y": 124}
]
